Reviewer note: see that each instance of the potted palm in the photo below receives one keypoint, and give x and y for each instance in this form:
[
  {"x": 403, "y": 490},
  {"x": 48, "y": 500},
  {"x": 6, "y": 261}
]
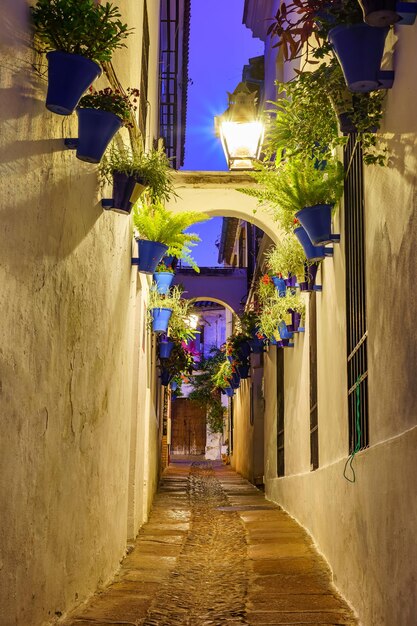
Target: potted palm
[
  {"x": 158, "y": 230},
  {"x": 100, "y": 115},
  {"x": 77, "y": 36},
  {"x": 131, "y": 172}
]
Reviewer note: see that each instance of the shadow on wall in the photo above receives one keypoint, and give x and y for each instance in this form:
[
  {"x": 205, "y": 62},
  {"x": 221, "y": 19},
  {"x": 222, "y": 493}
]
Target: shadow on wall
[{"x": 15, "y": 17}]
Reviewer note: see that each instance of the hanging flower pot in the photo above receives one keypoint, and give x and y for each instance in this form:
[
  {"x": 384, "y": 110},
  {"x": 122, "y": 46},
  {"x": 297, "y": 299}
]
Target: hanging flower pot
[
  {"x": 243, "y": 370},
  {"x": 284, "y": 333},
  {"x": 291, "y": 281},
  {"x": 69, "y": 76},
  {"x": 166, "y": 376},
  {"x": 165, "y": 348},
  {"x": 256, "y": 344},
  {"x": 243, "y": 352},
  {"x": 234, "y": 380},
  {"x": 280, "y": 285},
  {"x": 309, "y": 284},
  {"x": 359, "y": 49},
  {"x": 96, "y": 129},
  {"x": 317, "y": 221},
  {"x": 313, "y": 253},
  {"x": 379, "y": 13},
  {"x": 125, "y": 192},
  {"x": 285, "y": 343},
  {"x": 163, "y": 281},
  {"x": 296, "y": 322},
  {"x": 150, "y": 254},
  {"x": 160, "y": 320},
  {"x": 174, "y": 385},
  {"x": 230, "y": 392}
]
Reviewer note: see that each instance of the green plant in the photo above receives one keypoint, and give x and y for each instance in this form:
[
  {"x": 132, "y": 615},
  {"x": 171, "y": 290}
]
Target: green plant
[
  {"x": 276, "y": 309},
  {"x": 179, "y": 325},
  {"x": 180, "y": 361},
  {"x": 153, "y": 221},
  {"x": 222, "y": 374},
  {"x": 80, "y": 27},
  {"x": 151, "y": 168},
  {"x": 205, "y": 394},
  {"x": 287, "y": 257},
  {"x": 112, "y": 101},
  {"x": 304, "y": 120},
  {"x": 295, "y": 184},
  {"x": 161, "y": 267}
]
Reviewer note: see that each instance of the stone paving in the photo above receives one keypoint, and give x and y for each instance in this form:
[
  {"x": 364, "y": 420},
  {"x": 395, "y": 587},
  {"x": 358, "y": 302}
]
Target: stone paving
[{"x": 216, "y": 552}]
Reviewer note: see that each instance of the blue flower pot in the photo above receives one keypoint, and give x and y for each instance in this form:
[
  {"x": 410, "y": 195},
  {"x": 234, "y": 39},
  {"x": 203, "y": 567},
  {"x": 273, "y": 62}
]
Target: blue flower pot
[
  {"x": 296, "y": 321},
  {"x": 243, "y": 351},
  {"x": 96, "y": 129},
  {"x": 165, "y": 349},
  {"x": 313, "y": 253},
  {"x": 166, "y": 376},
  {"x": 150, "y": 254},
  {"x": 256, "y": 345},
  {"x": 317, "y": 221},
  {"x": 234, "y": 380},
  {"x": 123, "y": 187},
  {"x": 230, "y": 392},
  {"x": 280, "y": 285},
  {"x": 379, "y": 13},
  {"x": 284, "y": 333},
  {"x": 69, "y": 76},
  {"x": 359, "y": 49},
  {"x": 309, "y": 283},
  {"x": 163, "y": 281},
  {"x": 285, "y": 343},
  {"x": 160, "y": 320},
  {"x": 291, "y": 281},
  {"x": 243, "y": 370},
  {"x": 174, "y": 385}
]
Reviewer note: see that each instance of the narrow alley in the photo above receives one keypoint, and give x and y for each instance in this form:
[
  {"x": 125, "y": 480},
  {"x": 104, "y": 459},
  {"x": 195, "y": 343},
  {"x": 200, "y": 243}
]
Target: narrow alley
[{"x": 214, "y": 552}]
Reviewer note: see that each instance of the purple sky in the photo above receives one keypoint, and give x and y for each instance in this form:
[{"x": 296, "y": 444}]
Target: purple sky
[{"x": 220, "y": 45}]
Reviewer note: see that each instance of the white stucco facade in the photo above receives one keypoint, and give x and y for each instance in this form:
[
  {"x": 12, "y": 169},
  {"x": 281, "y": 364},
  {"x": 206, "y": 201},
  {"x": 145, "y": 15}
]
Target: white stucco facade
[{"x": 79, "y": 445}]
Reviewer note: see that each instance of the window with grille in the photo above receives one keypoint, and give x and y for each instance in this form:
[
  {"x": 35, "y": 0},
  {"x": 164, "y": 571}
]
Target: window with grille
[
  {"x": 143, "y": 96},
  {"x": 314, "y": 427},
  {"x": 357, "y": 360},
  {"x": 280, "y": 414}
]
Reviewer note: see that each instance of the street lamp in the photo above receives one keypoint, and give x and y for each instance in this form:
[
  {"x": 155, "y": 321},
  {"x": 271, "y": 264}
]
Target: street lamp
[{"x": 240, "y": 129}]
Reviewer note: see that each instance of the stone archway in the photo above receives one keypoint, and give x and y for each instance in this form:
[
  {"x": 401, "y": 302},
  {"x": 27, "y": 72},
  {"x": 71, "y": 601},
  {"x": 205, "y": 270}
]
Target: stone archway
[{"x": 215, "y": 193}]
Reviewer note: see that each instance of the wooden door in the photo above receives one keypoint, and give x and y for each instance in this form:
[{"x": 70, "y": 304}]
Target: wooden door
[{"x": 188, "y": 428}]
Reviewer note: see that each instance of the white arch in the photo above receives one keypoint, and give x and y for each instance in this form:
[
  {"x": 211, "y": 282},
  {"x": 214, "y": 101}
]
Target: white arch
[
  {"x": 216, "y": 300},
  {"x": 215, "y": 193}
]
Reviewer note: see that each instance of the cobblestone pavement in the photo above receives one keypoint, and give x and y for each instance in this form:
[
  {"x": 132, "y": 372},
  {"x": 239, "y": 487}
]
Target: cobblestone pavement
[{"x": 214, "y": 553}]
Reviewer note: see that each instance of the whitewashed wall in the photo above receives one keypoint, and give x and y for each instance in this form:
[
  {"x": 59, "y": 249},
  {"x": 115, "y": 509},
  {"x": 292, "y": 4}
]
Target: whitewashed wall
[{"x": 78, "y": 457}]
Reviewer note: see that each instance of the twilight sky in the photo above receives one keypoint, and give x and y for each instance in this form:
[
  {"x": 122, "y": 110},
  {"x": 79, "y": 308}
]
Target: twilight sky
[{"x": 220, "y": 45}]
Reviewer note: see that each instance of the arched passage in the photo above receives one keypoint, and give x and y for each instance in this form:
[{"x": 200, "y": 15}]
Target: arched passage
[
  {"x": 226, "y": 286},
  {"x": 216, "y": 300},
  {"x": 215, "y": 193}
]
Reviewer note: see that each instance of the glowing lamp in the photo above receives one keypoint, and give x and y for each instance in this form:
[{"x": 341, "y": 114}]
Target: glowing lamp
[{"x": 240, "y": 129}]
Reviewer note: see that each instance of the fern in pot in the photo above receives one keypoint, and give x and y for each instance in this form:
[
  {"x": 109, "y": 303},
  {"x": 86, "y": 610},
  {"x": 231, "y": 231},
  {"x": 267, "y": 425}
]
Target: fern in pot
[
  {"x": 286, "y": 260},
  {"x": 159, "y": 231}
]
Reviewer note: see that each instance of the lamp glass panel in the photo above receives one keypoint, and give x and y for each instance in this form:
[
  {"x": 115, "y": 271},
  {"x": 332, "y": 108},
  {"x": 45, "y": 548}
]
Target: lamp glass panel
[{"x": 242, "y": 139}]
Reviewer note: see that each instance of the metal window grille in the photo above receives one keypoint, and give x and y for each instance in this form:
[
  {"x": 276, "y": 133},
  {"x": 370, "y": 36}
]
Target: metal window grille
[
  {"x": 280, "y": 414},
  {"x": 357, "y": 361},
  {"x": 143, "y": 94},
  {"x": 168, "y": 63},
  {"x": 314, "y": 427}
]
